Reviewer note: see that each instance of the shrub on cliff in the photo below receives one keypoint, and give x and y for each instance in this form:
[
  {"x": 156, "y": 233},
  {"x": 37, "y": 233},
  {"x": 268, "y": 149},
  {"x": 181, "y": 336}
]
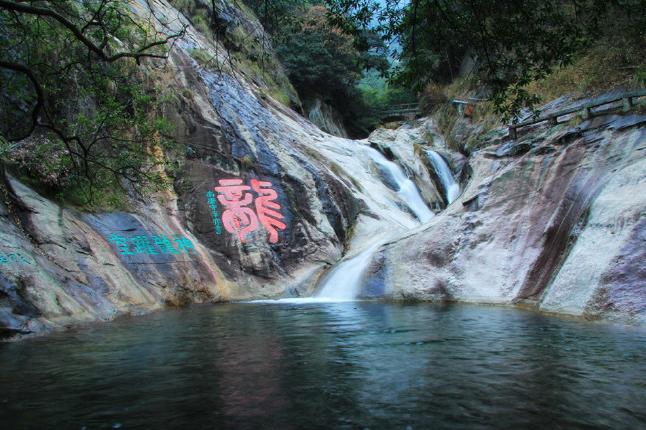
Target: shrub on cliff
[
  {"x": 322, "y": 60},
  {"x": 75, "y": 111}
]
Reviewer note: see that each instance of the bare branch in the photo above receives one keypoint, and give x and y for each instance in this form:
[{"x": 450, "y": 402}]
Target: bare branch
[
  {"x": 40, "y": 95},
  {"x": 80, "y": 35}
]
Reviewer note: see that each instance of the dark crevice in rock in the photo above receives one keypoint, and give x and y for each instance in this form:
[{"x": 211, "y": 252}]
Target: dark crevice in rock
[
  {"x": 386, "y": 151},
  {"x": 569, "y": 219},
  {"x": 15, "y": 308},
  {"x": 17, "y": 210},
  {"x": 376, "y": 277}
]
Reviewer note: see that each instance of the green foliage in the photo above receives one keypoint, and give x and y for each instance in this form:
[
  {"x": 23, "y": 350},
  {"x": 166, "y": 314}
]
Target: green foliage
[
  {"x": 324, "y": 62},
  {"x": 87, "y": 196},
  {"x": 377, "y": 94},
  {"x": 514, "y": 42},
  {"x": 279, "y": 17},
  {"x": 86, "y": 127},
  {"x": 280, "y": 95},
  {"x": 640, "y": 77},
  {"x": 320, "y": 61},
  {"x": 202, "y": 56},
  {"x": 198, "y": 13},
  {"x": 247, "y": 162},
  {"x": 612, "y": 62}
]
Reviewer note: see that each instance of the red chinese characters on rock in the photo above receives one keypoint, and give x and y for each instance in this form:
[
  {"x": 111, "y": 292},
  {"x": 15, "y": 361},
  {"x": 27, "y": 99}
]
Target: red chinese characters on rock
[
  {"x": 238, "y": 218},
  {"x": 267, "y": 208}
]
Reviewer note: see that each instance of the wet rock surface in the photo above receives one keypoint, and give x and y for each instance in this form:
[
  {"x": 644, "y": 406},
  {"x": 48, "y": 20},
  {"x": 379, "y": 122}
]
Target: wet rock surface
[
  {"x": 554, "y": 220},
  {"x": 69, "y": 270},
  {"x": 555, "y": 226},
  {"x": 325, "y": 117},
  {"x": 175, "y": 248}
]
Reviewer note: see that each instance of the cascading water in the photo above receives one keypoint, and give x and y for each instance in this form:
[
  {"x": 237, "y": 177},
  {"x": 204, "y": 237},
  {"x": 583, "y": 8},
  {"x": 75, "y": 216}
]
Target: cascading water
[
  {"x": 450, "y": 185},
  {"x": 344, "y": 281},
  {"x": 407, "y": 189}
]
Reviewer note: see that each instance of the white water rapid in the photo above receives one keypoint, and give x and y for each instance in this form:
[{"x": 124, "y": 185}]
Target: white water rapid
[
  {"x": 451, "y": 187},
  {"x": 344, "y": 281},
  {"x": 407, "y": 188}
]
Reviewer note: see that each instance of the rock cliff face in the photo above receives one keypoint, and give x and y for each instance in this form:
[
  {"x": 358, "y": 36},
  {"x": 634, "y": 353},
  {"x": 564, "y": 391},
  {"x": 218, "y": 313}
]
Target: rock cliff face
[
  {"x": 327, "y": 119},
  {"x": 555, "y": 220},
  {"x": 62, "y": 266}
]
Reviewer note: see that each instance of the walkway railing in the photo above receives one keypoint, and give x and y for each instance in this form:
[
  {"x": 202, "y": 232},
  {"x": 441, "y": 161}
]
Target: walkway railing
[
  {"x": 401, "y": 110},
  {"x": 586, "y": 109},
  {"x": 628, "y": 97}
]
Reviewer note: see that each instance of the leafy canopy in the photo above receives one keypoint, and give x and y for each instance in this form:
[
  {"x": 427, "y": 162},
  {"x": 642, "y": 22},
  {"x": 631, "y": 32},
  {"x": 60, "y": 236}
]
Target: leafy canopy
[
  {"x": 514, "y": 42},
  {"x": 75, "y": 112}
]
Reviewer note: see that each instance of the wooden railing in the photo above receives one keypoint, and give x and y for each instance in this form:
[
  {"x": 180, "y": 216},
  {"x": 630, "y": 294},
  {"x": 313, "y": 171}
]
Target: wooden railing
[
  {"x": 586, "y": 109},
  {"x": 412, "y": 109},
  {"x": 400, "y": 110}
]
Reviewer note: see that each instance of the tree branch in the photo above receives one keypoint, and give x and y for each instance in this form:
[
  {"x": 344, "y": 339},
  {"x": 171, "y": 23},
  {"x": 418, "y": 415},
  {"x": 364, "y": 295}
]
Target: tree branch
[
  {"x": 78, "y": 33},
  {"x": 40, "y": 95}
]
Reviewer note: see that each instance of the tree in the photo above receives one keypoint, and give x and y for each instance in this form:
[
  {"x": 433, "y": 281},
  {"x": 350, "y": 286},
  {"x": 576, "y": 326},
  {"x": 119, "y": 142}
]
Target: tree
[
  {"x": 278, "y": 17},
  {"x": 515, "y": 41},
  {"x": 322, "y": 59},
  {"x": 74, "y": 109}
]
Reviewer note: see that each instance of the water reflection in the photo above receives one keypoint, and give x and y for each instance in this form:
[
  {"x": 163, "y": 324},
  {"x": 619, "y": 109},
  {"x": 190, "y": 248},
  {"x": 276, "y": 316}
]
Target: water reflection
[{"x": 328, "y": 365}]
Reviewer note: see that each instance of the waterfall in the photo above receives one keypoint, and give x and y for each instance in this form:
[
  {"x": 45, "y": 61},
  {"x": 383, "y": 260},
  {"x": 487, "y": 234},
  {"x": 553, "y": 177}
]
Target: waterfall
[
  {"x": 451, "y": 187},
  {"x": 344, "y": 281},
  {"x": 407, "y": 188}
]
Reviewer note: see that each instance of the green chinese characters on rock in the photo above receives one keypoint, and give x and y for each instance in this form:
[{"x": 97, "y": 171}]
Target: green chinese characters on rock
[
  {"x": 213, "y": 204},
  {"x": 13, "y": 259},
  {"x": 151, "y": 245}
]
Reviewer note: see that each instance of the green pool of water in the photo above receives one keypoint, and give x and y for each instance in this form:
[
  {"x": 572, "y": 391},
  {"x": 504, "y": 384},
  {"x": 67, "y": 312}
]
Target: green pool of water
[{"x": 325, "y": 365}]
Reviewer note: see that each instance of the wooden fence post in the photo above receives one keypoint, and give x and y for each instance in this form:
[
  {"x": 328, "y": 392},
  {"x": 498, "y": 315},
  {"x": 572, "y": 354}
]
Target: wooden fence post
[
  {"x": 512, "y": 132},
  {"x": 628, "y": 104}
]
